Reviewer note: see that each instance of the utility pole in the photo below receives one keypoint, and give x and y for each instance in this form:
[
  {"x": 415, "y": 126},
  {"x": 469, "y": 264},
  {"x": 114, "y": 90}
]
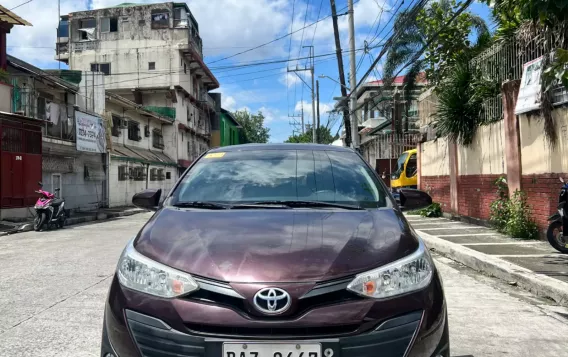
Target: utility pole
[
  {"x": 311, "y": 69},
  {"x": 346, "y": 121},
  {"x": 352, "y": 79},
  {"x": 294, "y": 123},
  {"x": 58, "y": 29},
  {"x": 318, "y": 110}
]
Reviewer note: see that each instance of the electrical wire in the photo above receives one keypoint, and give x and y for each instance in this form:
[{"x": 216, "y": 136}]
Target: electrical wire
[
  {"x": 278, "y": 38},
  {"x": 22, "y": 4}
]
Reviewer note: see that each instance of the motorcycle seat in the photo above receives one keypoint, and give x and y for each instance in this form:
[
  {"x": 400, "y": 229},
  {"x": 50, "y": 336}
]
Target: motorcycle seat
[{"x": 57, "y": 202}]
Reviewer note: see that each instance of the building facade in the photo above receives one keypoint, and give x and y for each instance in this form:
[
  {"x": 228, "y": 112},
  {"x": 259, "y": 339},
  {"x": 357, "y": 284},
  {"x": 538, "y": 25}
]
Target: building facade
[
  {"x": 152, "y": 56},
  {"x": 229, "y": 129},
  {"x": 70, "y": 160}
]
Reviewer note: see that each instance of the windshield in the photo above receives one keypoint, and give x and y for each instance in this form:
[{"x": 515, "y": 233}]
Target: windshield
[
  {"x": 284, "y": 175},
  {"x": 399, "y": 166}
]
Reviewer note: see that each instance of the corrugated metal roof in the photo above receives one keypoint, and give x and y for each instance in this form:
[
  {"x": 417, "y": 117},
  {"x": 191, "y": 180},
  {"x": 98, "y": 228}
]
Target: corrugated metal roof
[{"x": 11, "y": 18}]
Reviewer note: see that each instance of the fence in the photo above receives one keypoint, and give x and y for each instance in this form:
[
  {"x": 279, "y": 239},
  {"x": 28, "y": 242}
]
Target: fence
[
  {"x": 388, "y": 146},
  {"x": 504, "y": 61}
]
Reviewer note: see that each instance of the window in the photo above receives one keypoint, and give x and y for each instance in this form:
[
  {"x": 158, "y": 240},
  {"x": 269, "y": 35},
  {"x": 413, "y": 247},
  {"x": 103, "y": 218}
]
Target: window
[
  {"x": 168, "y": 175},
  {"x": 109, "y": 24},
  {"x": 161, "y": 175},
  {"x": 411, "y": 166},
  {"x": 116, "y": 123},
  {"x": 157, "y": 139},
  {"x": 41, "y": 106},
  {"x": 87, "y": 29},
  {"x": 101, "y": 67},
  {"x": 160, "y": 19},
  {"x": 399, "y": 166},
  {"x": 134, "y": 131},
  {"x": 325, "y": 176},
  {"x": 151, "y": 66},
  {"x": 180, "y": 17},
  {"x": 184, "y": 68},
  {"x": 123, "y": 174}
]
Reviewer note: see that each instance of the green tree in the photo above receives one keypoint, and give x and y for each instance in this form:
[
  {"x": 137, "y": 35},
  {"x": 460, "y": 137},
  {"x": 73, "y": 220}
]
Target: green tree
[
  {"x": 253, "y": 129},
  {"x": 453, "y": 41},
  {"x": 323, "y": 133}
]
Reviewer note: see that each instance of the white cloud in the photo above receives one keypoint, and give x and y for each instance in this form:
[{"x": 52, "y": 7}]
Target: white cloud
[
  {"x": 36, "y": 44},
  {"x": 228, "y": 102}
]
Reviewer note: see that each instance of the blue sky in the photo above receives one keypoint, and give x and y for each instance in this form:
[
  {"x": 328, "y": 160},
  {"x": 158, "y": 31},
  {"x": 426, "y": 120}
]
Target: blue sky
[{"x": 231, "y": 26}]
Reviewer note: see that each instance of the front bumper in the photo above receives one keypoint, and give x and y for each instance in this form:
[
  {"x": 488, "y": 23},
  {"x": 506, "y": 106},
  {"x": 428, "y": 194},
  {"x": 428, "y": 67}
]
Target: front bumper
[{"x": 413, "y": 325}]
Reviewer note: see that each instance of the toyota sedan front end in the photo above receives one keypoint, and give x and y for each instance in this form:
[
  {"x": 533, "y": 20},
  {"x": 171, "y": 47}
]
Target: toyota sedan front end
[{"x": 276, "y": 251}]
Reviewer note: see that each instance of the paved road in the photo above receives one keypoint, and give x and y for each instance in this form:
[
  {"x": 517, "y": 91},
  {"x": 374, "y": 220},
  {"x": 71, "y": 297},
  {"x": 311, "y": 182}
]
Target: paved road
[{"x": 53, "y": 286}]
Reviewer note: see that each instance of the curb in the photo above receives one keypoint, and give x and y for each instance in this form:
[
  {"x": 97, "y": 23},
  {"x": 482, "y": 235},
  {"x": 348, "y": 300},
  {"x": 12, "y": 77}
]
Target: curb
[
  {"x": 538, "y": 284},
  {"x": 101, "y": 216}
]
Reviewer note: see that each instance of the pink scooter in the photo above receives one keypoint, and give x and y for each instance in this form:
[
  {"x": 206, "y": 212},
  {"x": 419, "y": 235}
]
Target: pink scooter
[{"x": 49, "y": 210}]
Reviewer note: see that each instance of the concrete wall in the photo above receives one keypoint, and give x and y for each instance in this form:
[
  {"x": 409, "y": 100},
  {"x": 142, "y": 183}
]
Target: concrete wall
[
  {"x": 121, "y": 192},
  {"x": 61, "y": 159},
  {"x": 435, "y": 158},
  {"x": 479, "y": 165},
  {"x": 130, "y": 49},
  {"x": 486, "y": 155},
  {"x": 5, "y": 97}
]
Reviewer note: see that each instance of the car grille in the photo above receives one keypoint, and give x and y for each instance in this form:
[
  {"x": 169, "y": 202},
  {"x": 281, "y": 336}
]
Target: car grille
[
  {"x": 323, "y": 294},
  {"x": 264, "y": 332},
  {"x": 155, "y": 338}
]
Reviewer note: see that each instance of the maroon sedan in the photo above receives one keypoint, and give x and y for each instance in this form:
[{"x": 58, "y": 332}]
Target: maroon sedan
[{"x": 288, "y": 250}]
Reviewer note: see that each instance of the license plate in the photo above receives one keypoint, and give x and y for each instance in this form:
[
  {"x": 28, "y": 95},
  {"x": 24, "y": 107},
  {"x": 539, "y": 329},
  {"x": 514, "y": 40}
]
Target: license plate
[{"x": 271, "y": 349}]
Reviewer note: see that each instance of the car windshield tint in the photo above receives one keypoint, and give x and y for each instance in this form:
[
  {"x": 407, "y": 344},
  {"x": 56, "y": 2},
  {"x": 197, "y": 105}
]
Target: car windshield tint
[{"x": 281, "y": 175}]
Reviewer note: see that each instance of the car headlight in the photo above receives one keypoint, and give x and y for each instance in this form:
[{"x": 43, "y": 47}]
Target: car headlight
[
  {"x": 411, "y": 273},
  {"x": 141, "y": 273}
]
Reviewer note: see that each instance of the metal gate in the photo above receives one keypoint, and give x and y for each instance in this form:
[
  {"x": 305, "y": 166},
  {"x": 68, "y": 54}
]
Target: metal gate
[{"x": 20, "y": 163}]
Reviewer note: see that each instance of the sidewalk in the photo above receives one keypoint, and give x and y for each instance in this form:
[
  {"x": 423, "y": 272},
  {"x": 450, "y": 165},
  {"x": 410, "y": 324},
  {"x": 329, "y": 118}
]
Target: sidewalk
[
  {"x": 531, "y": 265},
  {"x": 76, "y": 218}
]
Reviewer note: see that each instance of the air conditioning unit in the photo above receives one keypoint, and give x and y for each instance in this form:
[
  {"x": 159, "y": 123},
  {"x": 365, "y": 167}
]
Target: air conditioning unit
[
  {"x": 123, "y": 123},
  {"x": 146, "y": 131}
]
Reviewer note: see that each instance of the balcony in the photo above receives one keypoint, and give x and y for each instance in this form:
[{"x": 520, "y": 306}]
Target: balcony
[
  {"x": 196, "y": 44},
  {"x": 84, "y": 46},
  {"x": 206, "y": 98},
  {"x": 59, "y": 124},
  {"x": 62, "y": 52}
]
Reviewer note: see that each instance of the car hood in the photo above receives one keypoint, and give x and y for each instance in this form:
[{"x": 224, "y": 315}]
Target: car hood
[{"x": 275, "y": 245}]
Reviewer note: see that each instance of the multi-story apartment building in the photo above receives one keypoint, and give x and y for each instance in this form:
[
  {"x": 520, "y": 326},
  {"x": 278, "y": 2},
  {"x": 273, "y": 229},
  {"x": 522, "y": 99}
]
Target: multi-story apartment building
[{"x": 152, "y": 55}]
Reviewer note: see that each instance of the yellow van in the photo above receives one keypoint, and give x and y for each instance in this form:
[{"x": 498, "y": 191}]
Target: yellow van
[{"x": 406, "y": 174}]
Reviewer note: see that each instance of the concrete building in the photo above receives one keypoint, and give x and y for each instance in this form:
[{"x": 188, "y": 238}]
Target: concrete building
[
  {"x": 72, "y": 150},
  {"x": 137, "y": 156},
  {"x": 152, "y": 56}
]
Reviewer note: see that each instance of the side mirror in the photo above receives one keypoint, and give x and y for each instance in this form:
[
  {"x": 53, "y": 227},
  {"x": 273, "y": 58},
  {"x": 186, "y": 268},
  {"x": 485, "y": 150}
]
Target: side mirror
[
  {"x": 148, "y": 199},
  {"x": 410, "y": 199}
]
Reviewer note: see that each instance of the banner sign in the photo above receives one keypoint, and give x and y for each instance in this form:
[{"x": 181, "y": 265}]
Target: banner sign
[
  {"x": 529, "y": 92},
  {"x": 90, "y": 133}
]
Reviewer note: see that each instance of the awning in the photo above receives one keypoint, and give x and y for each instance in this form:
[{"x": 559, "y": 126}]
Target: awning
[{"x": 130, "y": 153}]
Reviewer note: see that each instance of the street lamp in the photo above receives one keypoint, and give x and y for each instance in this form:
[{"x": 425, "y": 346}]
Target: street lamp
[{"x": 328, "y": 77}]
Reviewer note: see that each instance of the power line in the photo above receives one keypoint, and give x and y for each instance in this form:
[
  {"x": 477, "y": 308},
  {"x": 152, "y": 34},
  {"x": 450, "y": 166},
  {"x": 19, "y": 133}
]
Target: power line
[
  {"x": 418, "y": 54},
  {"x": 278, "y": 38},
  {"x": 22, "y": 4}
]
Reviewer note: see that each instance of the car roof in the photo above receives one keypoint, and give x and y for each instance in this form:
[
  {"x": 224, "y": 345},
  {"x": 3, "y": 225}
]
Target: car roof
[{"x": 284, "y": 146}]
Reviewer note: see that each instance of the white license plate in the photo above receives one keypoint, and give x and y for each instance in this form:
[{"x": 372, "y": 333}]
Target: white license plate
[{"x": 271, "y": 349}]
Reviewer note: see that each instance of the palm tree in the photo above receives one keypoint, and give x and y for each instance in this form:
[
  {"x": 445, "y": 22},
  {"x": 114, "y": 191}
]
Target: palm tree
[{"x": 412, "y": 38}]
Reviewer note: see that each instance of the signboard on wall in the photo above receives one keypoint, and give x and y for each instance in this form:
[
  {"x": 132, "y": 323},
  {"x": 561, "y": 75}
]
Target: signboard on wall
[
  {"x": 529, "y": 91},
  {"x": 90, "y": 132}
]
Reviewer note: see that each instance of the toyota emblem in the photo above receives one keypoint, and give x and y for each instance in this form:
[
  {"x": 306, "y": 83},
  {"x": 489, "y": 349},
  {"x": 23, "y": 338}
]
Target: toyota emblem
[{"x": 272, "y": 301}]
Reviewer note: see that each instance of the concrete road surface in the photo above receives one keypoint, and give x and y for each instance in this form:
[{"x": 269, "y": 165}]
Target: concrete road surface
[{"x": 53, "y": 286}]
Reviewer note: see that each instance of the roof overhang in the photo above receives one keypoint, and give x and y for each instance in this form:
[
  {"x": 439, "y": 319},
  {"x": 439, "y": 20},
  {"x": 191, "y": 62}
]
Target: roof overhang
[
  {"x": 10, "y": 18},
  {"x": 198, "y": 67}
]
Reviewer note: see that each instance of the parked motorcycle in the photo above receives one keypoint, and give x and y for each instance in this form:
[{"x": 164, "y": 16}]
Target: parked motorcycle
[
  {"x": 558, "y": 222},
  {"x": 50, "y": 210}
]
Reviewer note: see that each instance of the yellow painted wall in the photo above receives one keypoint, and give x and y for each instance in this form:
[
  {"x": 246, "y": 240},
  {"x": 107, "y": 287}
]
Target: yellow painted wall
[
  {"x": 537, "y": 156},
  {"x": 434, "y": 159},
  {"x": 486, "y": 155}
]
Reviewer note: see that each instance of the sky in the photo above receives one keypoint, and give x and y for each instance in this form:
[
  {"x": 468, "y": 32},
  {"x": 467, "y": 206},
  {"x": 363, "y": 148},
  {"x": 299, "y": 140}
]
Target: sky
[{"x": 228, "y": 27}]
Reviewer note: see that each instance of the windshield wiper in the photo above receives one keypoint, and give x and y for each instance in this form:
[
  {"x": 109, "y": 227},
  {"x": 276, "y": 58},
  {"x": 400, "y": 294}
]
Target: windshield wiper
[
  {"x": 201, "y": 204},
  {"x": 292, "y": 204}
]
